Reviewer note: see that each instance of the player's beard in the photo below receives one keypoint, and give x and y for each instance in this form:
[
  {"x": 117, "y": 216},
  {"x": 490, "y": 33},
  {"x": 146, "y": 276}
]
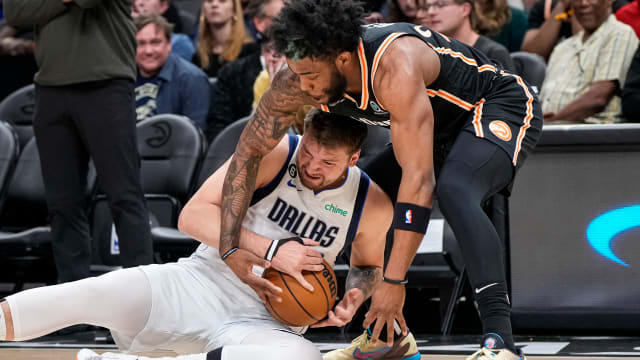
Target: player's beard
[{"x": 337, "y": 87}]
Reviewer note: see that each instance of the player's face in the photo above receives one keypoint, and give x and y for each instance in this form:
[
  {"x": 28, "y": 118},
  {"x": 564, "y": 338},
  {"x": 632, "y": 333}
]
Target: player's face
[
  {"x": 320, "y": 79},
  {"x": 153, "y": 50},
  {"x": 321, "y": 167}
]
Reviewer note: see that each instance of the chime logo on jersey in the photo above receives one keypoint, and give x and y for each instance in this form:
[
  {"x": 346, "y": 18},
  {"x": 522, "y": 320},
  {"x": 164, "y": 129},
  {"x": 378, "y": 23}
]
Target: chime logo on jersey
[
  {"x": 500, "y": 129},
  {"x": 335, "y": 209},
  {"x": 408, "y": 217},
  {"x": 302, "y": 224}
]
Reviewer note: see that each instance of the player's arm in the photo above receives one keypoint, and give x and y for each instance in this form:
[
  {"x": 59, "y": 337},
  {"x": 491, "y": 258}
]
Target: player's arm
[
  {"x": 367, "y": 257},
  {"x": 275, "y": 113},
  {"x": 404, "y": 70},
  {"x": 200, "y": 217}
]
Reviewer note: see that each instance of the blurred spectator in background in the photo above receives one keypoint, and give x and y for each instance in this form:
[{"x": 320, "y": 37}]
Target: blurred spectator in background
[
  {"x": 401, "y": 11},
  {"x": 630, "y": 15},
  {"x": 586, "y": 71},
  {"x": 458, "y": 19},
  {"x": 85, "y": 108},
  {"x": 181, "y": 44},
  {"x": 222, "y": 37},
  {"x": 166, "y": 83},
  {"x": 232, "y": 94},
  {"x": 509, "y": 23},
  {"x": 550, "y": 21},
  {"x": 631, "y": 91},
  {"x": 160, "y": 7},
  {"x": 16, "y": 58}
]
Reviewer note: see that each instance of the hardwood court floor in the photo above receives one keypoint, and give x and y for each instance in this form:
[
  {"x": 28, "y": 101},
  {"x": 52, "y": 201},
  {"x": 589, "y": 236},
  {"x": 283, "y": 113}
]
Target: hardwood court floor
[{"x": 69, "y": 354}]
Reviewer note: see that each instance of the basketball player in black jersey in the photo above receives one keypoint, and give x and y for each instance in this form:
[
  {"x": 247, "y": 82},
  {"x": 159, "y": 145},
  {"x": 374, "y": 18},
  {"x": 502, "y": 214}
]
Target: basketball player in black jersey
[{"x": 449, "y": 108}]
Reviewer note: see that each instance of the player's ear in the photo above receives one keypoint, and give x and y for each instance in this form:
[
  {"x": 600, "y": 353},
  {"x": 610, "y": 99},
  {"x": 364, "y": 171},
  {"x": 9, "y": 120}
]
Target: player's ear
[
  {"x": 354, "y": 158},
  {"x": 343, "y": 59}
]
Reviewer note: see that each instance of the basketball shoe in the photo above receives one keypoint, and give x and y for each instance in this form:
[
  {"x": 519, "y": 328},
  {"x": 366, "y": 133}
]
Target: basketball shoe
[
  {"x": 362, "y": 348},
  {"x": 494, "y": 348}
]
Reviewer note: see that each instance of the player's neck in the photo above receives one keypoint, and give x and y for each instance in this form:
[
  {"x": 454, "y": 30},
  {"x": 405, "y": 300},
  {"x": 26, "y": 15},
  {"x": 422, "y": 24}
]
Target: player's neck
[{"x": 351, "y": 71}]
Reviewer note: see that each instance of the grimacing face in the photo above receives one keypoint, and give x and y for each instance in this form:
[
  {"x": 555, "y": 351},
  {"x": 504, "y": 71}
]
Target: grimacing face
[
  {"x": 320, "y": 79},
  {"x": 321, "y": 167}
]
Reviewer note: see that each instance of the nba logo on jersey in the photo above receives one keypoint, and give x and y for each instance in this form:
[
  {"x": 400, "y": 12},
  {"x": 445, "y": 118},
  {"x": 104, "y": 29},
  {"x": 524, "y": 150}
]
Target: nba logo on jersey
[{"x": 408, "y": 217}]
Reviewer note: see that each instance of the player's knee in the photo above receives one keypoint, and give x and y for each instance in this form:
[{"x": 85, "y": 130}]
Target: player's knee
[{"x": 451, "y": 191}]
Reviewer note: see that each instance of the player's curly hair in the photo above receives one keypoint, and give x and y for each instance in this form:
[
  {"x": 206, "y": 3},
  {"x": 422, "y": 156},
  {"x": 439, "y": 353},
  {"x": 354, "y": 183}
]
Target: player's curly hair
[{"x": 318, "y": 29}]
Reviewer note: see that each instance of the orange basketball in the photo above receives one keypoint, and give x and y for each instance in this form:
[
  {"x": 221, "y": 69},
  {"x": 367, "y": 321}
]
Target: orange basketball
[{"x": 299, "y": 306}]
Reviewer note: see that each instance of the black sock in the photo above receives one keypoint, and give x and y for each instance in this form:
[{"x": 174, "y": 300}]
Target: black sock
[
  {"x": 383, "y": 333},
  {"x": 495, "y": 313},
  {"x": 215, "y": 354}
]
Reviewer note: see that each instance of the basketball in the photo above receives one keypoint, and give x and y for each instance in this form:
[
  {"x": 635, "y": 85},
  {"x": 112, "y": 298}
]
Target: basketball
[{"x": 299, "y": 306}]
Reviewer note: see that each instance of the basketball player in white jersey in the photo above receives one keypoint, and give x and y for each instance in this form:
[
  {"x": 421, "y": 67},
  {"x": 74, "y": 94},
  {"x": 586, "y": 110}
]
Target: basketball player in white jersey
[{"x": 198, "y": 305}]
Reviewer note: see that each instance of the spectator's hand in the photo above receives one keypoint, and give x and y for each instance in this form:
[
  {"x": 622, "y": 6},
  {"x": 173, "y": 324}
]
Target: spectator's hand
[
  {"x": 292, "y": 258},
  {"x": 386, "y": 306},
  {"x": 344, "y": 311},
  {"x": 241, "y": 263},
  {"x": 15, "y": 46},
  {"x": 373, "y": 18}
]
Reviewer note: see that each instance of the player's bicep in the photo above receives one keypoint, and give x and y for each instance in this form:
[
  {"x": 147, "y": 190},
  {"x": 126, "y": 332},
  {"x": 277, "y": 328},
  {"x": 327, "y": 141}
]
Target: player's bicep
[{"x": 405, "y": 97}]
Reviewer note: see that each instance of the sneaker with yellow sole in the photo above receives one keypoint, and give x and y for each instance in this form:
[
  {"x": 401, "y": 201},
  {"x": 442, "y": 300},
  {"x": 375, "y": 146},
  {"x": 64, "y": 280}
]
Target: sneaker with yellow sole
[{"x": 362, "y": 348}]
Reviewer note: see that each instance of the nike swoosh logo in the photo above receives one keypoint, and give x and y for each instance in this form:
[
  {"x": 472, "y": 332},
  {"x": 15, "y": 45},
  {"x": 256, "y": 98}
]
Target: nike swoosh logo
[
  {"x": 478, "y": 291},
  {"x": 369, "y": 355},
  {"x": 290, "y": 183}
]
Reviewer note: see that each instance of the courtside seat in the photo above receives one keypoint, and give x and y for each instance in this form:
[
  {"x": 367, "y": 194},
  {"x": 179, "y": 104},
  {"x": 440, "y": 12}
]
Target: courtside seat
[
  {"x": 25, "y": 236},
  {"x": 531, "y": 67},
  {"x": 18, "y": 109}
]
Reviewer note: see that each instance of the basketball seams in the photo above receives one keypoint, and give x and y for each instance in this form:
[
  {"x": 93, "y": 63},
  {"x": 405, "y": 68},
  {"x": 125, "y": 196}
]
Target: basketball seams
[
  {"x": 326, "y": 296},
  {"x": 284, "y": 281},
  {"x": 275, "y": 313}
]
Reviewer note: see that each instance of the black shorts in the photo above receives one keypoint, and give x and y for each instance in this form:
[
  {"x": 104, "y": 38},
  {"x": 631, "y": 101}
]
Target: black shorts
[{"x": 510, "y": 117}]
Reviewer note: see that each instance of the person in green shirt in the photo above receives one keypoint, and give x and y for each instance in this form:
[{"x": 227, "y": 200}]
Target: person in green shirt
[{"x": 85, "y": 51}]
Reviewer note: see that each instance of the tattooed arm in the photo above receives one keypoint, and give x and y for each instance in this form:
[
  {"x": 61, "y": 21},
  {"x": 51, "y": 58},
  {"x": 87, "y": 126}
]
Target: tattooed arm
[
  {"x": 367, "y": 257},
  {"x": 275, "y": 113}
]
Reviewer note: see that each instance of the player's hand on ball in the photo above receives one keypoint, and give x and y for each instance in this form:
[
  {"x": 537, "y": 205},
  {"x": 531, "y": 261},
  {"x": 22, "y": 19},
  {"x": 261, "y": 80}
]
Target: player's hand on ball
[
  {"x": 242, "y": 262},
  {"x": 386, "y": 305},
  {"x": 344, "y": 310},
  {"x": 292, "y": 258}
]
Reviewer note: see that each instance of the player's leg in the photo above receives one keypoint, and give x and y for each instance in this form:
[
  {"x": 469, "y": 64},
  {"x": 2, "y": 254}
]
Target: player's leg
[
  {"x": 263, "y": 344},
  {"x": 120, "y": 300},
  {"x": 474, "y": 170}
]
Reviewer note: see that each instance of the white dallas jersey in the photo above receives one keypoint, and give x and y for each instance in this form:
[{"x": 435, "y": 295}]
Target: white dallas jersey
[{"x": 285, "y": 208}]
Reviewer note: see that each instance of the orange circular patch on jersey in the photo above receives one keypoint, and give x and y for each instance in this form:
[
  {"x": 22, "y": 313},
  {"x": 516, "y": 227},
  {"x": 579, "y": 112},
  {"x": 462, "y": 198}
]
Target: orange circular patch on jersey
[{"x": 500, "y": 129}]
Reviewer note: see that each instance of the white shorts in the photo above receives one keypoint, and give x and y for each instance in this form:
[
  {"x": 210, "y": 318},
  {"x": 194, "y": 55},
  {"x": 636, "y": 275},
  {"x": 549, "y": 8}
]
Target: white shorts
[{"x": 198, "y": 305}]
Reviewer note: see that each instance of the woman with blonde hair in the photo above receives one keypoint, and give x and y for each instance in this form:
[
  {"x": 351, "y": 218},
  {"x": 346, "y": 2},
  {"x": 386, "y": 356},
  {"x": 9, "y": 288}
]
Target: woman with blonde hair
[{"x": 222, "y": 37}]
